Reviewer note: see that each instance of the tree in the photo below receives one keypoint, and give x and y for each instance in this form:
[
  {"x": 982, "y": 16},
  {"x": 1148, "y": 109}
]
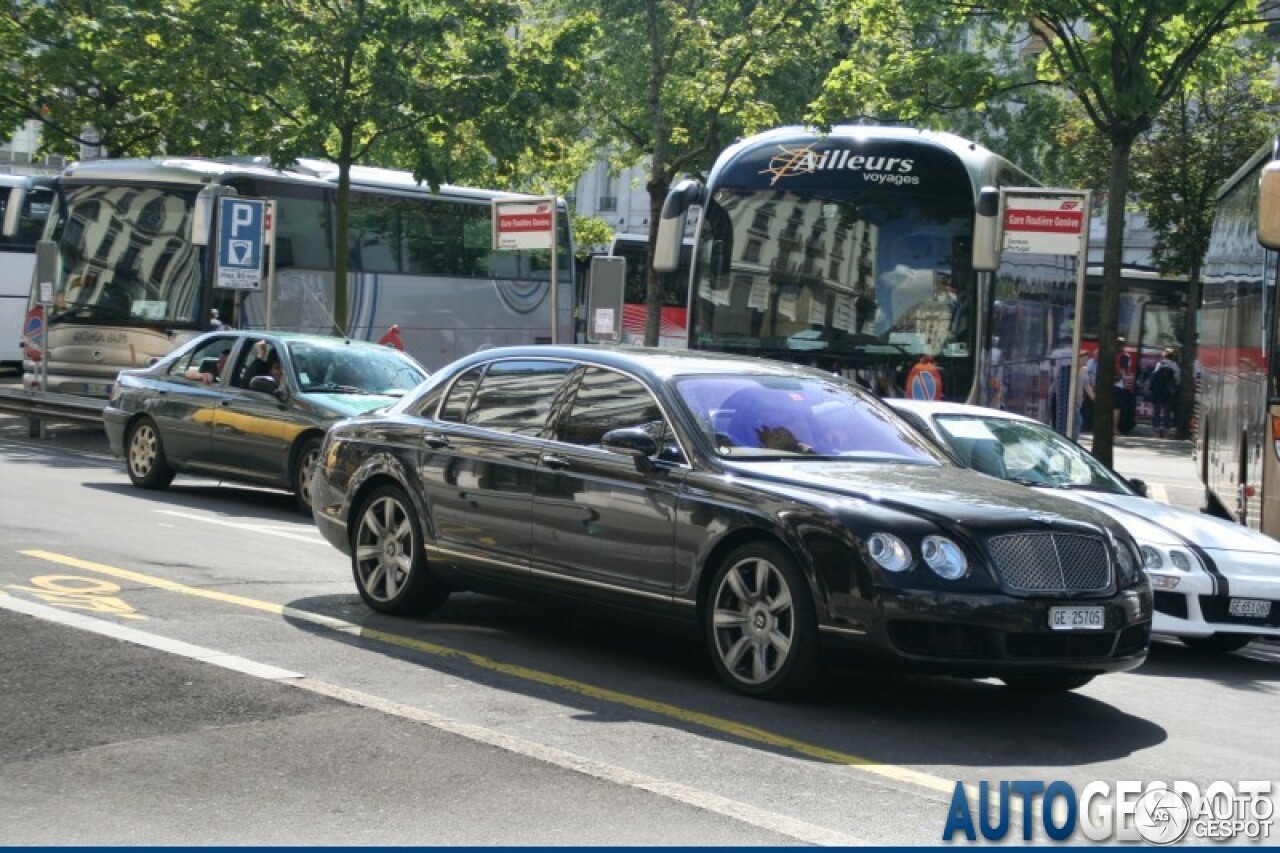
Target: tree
[
  {"x": 672, "y": 81},
  {"x": 1122, "y": 62},
  {"x": 410, "y": 80},
  {"x": 102, "y": 72},
  {"x": 1200, "y": 138}
]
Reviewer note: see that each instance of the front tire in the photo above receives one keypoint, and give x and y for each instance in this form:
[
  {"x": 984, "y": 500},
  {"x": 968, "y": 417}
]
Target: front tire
[
  {"x": 761, "y": 628},
  {"x": 144, "y": 456},
  {"x": 1045, "y": 684},
  {"x": 304, "y": 465},
  {"x": 388, "y": 560},
  {"x": 1218, "y": 643}
]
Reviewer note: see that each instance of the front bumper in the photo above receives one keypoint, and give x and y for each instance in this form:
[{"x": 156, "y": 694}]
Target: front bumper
[
  {"x": 980, "y": 636},
  {"x": 1197, "y": 607}
]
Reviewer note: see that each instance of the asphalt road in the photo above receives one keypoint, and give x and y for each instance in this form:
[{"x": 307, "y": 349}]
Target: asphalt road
[{"x": 242, "y": 694}]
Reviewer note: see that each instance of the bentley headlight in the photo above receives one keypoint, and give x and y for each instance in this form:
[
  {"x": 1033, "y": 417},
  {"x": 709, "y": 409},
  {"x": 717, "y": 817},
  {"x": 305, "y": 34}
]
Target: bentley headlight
[
  {"x": 889, "y": 552},
  {"x": 944, "y": 557},
  {"x": 1125, "y": 559},
  {"x": 1151, "y": 558}
]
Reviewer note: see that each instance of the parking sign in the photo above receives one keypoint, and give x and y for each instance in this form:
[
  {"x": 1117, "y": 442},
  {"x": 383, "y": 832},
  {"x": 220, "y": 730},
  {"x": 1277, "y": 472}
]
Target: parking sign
[{"x": 241, "y": 236}]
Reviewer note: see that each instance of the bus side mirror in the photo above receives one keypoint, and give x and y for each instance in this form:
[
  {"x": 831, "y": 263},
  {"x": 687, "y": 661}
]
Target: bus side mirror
[
  {"x": 13, "y": 212},
  {"x": 202, "y": 216},
  {"x": 675, "y": 210},
  {"x": 986, "y": 231},
  {"x": 46, "y": 265},
  {"x": 1269, "y": 206}
]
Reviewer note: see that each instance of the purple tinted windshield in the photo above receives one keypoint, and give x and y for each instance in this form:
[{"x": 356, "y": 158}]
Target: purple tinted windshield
[{"x": 754, "y": 416}]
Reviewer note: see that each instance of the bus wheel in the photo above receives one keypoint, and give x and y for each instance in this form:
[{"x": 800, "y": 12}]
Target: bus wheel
[
  {"x": 148, "y": 469},
  {"x": 304, "y": 465},
  {"x": 1218, "y": 643}
]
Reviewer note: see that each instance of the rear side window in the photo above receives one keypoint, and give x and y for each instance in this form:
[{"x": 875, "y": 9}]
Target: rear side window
[
  {"x": 607, "y": 400},
  {"x": 518, "y": 396}
]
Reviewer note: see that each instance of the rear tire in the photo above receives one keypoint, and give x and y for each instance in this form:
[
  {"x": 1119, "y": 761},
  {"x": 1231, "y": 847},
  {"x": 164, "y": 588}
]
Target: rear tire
[
  {"x": 144, "y": 456},
  {"x": 304, "y": 465},
  {"x": 1218, "y": 643},
  {"x": 760, "y": 624},
  {"x": 388, "y": 560},
  {"x": 1045, "y": 684}
]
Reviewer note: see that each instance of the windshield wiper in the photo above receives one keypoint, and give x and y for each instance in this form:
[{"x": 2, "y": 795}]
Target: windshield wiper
[{"x": 340, "y": 389}]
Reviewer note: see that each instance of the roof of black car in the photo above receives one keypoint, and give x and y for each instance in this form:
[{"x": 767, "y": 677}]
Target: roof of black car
[{"x": 662, "y": 363}]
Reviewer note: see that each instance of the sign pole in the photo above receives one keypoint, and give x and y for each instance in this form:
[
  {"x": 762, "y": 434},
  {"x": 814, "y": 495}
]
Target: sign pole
[
  {"x": 555, "y": 279},
  {"x": 1077, "y": 331},
  {"x": 270, "y": 240}
]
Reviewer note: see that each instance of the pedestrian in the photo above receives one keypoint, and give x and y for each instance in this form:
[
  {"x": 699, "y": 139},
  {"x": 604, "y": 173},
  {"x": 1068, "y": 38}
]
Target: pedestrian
[
  {"x": 1124, "y": 402},
  {"x": 1163, "y": 388},
  {"x": 1086, "y": 392}
]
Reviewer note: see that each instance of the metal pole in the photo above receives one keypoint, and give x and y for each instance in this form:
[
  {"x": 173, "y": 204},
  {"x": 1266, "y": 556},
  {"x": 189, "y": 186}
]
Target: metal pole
[
  {"x": 555, "y": 284},
  {"x": 271, "y": 259},
  {"x": 1073, "y": 410}
]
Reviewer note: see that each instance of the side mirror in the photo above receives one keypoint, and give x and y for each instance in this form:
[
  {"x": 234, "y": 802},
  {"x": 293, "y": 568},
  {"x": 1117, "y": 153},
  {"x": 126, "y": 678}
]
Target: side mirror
[
  {"x": 13, "y": 211},
  {"x": 675, "y": 210},
  {"x": 267, "y": 385},
  {"x": 633, "y": 442},
  {"x": 986, "y": 231},
  {"x": 1269, "y": 206},
  {"x": 1139, "y": 486}
]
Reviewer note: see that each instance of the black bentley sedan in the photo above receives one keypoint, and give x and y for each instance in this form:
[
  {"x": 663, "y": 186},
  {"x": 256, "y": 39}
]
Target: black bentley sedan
[{"x": 780, "y": 509}]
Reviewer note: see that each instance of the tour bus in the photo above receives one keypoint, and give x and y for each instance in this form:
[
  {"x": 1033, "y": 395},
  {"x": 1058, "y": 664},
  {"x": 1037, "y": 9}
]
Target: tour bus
[
  {"x": 674, "y": 323},
  {"x": 137, "y": 253},
  {"x": 867, "y": 251},
  {"x": 24, "y": 206},
  {"x": 1238, "y": 399}
]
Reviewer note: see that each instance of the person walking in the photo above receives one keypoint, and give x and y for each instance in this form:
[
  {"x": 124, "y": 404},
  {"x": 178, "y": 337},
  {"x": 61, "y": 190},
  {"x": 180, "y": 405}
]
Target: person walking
[{"x": 1163, "y": 388}]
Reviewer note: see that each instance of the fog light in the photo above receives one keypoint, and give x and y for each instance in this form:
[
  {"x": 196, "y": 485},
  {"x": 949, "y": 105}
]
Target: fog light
[{"x": 889, "y": 552}]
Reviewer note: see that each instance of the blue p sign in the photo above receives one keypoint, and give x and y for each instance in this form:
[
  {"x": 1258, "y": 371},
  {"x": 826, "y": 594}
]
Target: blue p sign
[{"x": 240, "y": 239}]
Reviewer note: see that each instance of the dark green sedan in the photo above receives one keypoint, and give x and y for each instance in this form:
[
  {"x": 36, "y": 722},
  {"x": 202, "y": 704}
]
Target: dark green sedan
[{"x": 248, "y": 406}]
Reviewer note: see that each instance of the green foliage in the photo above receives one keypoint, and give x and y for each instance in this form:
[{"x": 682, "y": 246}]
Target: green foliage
[{"x": 589, "y": 233}]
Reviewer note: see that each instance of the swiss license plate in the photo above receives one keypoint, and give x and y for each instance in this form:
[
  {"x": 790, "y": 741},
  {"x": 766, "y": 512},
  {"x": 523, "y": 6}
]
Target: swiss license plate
[
  {"x": 1251, "y": 608},
  {"x": 1077, "y": 618}
]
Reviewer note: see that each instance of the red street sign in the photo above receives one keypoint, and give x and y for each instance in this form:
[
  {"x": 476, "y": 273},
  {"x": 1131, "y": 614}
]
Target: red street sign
[
  {"x": 523, "y": 224},
  {"x": 1043, "y": 225}
]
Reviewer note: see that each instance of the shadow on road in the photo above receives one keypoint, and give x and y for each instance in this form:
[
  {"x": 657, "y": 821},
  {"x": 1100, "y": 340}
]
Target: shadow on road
[
  {"x": 1254, "y": 668},
  {"x": 613, "y": 672}
]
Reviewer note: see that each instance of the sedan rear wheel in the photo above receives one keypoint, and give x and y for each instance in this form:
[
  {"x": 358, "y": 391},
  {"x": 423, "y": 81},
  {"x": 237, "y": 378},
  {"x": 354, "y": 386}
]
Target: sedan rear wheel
[
  {"x": 761, "y": 627},
  {"x": 387, "y": 556},
  {"x": 1220, "y": 643},
  {"x": 144, "y": 456}
]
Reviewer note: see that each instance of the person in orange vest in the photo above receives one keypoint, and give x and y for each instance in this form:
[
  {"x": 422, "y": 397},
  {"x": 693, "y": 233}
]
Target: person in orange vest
[
  {"x": 924, "y": 382},
  {"x": 392, "y": 339}
]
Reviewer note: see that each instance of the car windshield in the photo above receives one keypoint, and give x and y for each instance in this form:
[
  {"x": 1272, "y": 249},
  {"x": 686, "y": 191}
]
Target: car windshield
[
  {"x": 755, "y": 417},
  {"x": 345, "y": 369},
  {"x": 1028, "y": 453}
]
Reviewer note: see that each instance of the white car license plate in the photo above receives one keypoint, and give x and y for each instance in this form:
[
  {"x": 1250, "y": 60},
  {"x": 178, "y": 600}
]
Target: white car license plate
[
  {"x": 1249, "y": 607},
  {"x": 1077, "y": 618}
]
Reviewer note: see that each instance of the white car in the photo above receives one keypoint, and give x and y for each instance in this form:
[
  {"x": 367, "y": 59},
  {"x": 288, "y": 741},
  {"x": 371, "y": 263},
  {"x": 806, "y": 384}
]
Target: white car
[{"x": 1216, "y": 584}]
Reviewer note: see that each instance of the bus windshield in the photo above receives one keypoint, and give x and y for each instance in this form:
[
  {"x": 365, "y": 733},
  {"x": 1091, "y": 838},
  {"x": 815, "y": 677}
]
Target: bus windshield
[
  {"x": 861, "y": 278},
  {"x": 125, "y": 257}
]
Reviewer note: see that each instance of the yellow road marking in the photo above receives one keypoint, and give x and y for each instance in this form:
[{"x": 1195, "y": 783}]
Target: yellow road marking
[{"x": 748, "y": 733}]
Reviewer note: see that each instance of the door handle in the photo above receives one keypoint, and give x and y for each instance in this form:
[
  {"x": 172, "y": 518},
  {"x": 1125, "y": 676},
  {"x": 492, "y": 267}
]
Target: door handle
[
  {"x": 435, "y": 440},
  {"x": 554, "y": 462}
]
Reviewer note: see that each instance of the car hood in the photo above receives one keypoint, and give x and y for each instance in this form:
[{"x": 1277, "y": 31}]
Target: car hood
[
  {"x": 943, "y": 492},
  {"x": 1181, "y": 526},
  {"x": 348, "y": 405}
]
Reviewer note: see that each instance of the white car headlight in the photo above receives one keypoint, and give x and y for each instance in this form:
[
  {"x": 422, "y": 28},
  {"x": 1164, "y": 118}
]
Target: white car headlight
[
  {"x": 889, "y": 552},
  {"x": 1151, "y": 558},
  {"x": 1165, "y": 566},
  {"x": 944, "y": 557}
]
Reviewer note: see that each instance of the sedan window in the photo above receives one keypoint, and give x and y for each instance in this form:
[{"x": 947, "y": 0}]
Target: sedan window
[
  {"x": 607, "y": 400},
  {"x": 517, "y": 396}
]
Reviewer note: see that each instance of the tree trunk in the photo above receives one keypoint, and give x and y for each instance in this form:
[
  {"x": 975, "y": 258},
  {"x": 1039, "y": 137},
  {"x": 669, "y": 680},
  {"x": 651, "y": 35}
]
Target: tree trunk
[
  {"x": 341, "y": 217},
  {"x": 658, "y": 187},
  {"x": 1190, "y": 353},
  {"x": 1113, "y": 256}
]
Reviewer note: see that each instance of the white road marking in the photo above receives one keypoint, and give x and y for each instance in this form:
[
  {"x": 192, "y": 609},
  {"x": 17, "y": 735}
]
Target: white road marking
[
  {"x": 290, "y": 533},
  {"x": 801, "y": 831},
  {"x": 1158, "y": 492}
]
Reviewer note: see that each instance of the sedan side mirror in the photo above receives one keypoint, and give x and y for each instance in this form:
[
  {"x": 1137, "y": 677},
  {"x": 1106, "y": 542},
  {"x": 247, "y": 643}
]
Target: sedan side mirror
[
  {"x": 633, "y": 442},
  {"x": 1139, "y": 486},
  {"x": 267, "y": 385}
]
